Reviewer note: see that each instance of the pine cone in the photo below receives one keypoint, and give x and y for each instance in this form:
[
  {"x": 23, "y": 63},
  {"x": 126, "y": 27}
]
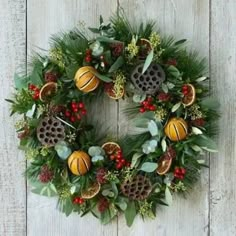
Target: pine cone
[
  {"x": 46, "y": 174},
  {"x": 138, "y": 188}
]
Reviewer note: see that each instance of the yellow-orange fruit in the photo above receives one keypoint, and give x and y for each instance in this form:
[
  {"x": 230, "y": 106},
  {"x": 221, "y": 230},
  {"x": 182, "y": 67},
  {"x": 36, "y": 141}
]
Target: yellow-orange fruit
[
  {"x": 176, "y": 129},
  {"x": 79, "y": 163},
  {"x": 85, "y": 79}
]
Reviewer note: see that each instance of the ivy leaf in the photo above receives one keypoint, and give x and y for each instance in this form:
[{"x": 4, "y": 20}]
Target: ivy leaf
[
  {"x": 176, "y": 107},
  {"x": 152, "y": 127},
  {"x": 135, "y": 159},
  {"x": 148, "y": 61},
  {"x": 130, "y": 213},
  {"x": 117, "y": 64},
  {"x": 196, "y": 130},
  {"x": 149, "y": 167},
  {"x": 168, "y": 196}
]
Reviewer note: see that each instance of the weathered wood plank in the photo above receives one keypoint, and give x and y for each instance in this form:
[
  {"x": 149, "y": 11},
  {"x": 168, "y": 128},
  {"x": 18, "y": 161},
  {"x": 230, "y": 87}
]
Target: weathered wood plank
[
  {"x": 183, "y": 19},
  {"x": 12, "y": 185},
  {"x": 45, "y": 18},
  {"x": 223, "y": 70}
]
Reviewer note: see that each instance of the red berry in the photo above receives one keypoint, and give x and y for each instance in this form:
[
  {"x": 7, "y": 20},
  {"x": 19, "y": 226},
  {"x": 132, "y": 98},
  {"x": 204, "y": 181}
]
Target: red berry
[
  {"x": 145, "y": 103},
  {"x": 112, "y": 157},
  {"x": 73, "y": 105},
  {"x": 67, "y": 113},
  {"x": 142, "y": 110},
  {"x": 118, "y": 166},
  {"x": 123, "y": 161},
  {"x": 183, "y": 171},
  {"x": 181, "y": 176},
  {"x": 81, "y": 105},
  {"x": 81, "y": 201},
  {"x": 119, "y": 156},
  {"x": 32, "y": 86},
  {"x": 119, "y": 151},
  {"x": 149, "y": 99},
  {"x": 78, "y": 117},
  {"x": 75, "y": 110},
  {"x": 128, "y": 164},
  {"x": 88, "y": 51},
  {"x": 152, "y": 108},
  {"x": 36, "y": 96},
  {"x": 83, "y": 112},
  {"x": 72, "y": 119},
  {"x": 88, "y": 59}
]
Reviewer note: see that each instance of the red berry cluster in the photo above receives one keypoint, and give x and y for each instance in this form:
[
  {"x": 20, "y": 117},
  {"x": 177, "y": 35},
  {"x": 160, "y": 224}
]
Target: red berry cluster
[
  {"x": 76, "y": 111},
  {"x": 100, "y": 175},
  {"x": 103, "y": 204},
  {"x": 45, "y": 175},
  {"x": 78, "y": 200},
  {"x": 120, "y": 160},
  {"x": 171, "y": 62},
  {"x": 35, "y": 90},
  {"x": 147, "y": 105},
  {"x": 164, "y": 97},
  {"x": 88, "y": 56},
  {"x": 179, "y": 172},
  {"x": 185, "y": 89}
]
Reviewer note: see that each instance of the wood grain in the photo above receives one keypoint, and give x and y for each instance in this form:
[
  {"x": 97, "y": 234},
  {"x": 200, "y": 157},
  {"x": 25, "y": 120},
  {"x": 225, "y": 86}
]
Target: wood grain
[
  {"x": 223, "y": 71},
  {"x": 12, "y": 184},
  {"x": 190, "y": 20},
  {"x": 46, "y": 18}
]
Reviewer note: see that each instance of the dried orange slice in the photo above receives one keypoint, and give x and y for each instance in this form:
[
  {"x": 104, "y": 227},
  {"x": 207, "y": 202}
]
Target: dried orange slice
[
  {"x": 111, "y": 93},
  {"x": 91, "y": 191},
  {"x": 47, "y": 91},
  {"x": 110, "y": 148},
  {"x": 145, "y": 47},
  {"x": 190, "y": 97},
  {"x": 164, "y": 165}
]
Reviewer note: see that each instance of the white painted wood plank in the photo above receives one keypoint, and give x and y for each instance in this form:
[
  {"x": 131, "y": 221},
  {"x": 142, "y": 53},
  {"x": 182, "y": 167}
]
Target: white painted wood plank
[
  {"x": 183, "y": 19},
  {"x": 12, "y": 184},
  {"x": 223, "y": 71},
  {"x": 45, "y": 18}
]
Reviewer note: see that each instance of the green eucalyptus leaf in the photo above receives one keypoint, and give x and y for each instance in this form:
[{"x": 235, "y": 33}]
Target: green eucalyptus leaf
[
  {"x": 176, "y": 107},
  {"x": 136, "y": 159},
  {"x": 137, "y": 98},
  {"x": 163, "y": 144},
  {"x": 148, "y": 61},
  {"x": 173, "y": 71},
  {"x": 152, "y": 127},
  {"x": 149, "y": 167},
  {"x": 94, "y": 151},
  {"x": 201, "y": 79},
  {"x": 102, "y": 77},
  {"x": 168, "y": 196},
  {"x": 117, "y": 64},
  {"x": 196, "y": 130},
  {"x": 130, "y": 213},
  {"x": 30, "y": 113},
  {"x": 97, "y": 158},
  {"x": 164, "y": 87}
]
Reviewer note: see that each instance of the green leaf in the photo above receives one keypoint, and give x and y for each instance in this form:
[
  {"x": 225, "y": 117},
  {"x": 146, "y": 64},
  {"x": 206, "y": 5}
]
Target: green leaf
[
  {"x": 121, "y": 203},
  {"x": 94, "y": 151},
  {"x": 130, "y": 213},
  {"x": 48, "y": 189},
  {"x": 94, "y": 30},
  {"x": 148, "y": 61},
  {"x": 164, "y": 87},
  {"x": 21, "y": 82},
  {"x": 180, "y": 42},
  {"x": 135, "y": 159},
  {"x": 102, "y": 77},
  {"x": 176, "y": 107},
  {"x": 152, "y": 127},
  {"x": 141, "y": 122},
  {"x": 97, "y": 158},
  {"x": 137, "y": 98},
  {"x": 104, "y": 39},
  {"x": 163, "y": 144},
  {"x": 210, "y": 103},
  {"x": 206, "y": 143},
  {"x": 168, "y": 196},
  {"x": 201, "y": 79},
  {"x": 173, "y": 71},
  {"x": 117, "y": 64},
  {"x": 196, "y": 130},
  {"x": 149, "y": 167}
]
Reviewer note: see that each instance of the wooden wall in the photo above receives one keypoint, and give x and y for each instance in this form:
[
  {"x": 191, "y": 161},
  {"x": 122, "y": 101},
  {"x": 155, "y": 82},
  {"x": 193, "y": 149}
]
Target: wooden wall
[{"x": 210, "y": 27}]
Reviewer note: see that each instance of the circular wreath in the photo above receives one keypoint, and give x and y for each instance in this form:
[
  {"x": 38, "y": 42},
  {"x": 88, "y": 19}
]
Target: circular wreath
[{"x": 168, "y": 100}]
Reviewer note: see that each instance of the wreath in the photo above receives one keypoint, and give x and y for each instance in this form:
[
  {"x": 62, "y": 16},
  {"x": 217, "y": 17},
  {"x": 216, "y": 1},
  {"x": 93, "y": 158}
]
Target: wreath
[{"x": 168, "y": 100}]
